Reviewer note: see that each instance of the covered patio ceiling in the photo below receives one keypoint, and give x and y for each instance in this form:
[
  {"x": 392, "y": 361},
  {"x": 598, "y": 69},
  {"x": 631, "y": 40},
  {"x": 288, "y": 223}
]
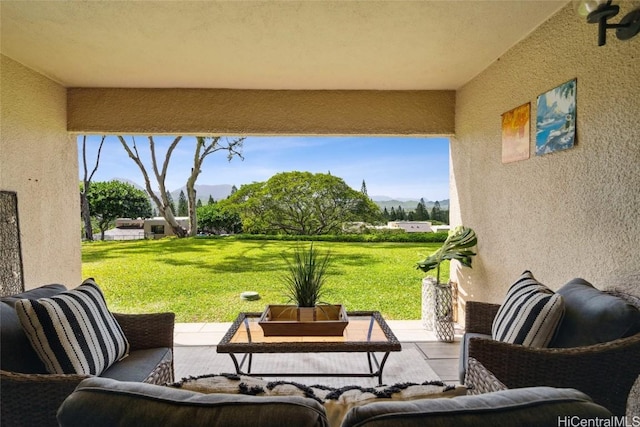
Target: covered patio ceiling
[{"x": 377, "y": 45}]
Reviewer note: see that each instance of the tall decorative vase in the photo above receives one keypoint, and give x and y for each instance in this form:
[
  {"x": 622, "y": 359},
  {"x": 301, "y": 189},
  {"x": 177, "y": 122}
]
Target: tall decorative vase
[
  {"x": 437, "y": 309},
  {"x": 428, "y": 303}
]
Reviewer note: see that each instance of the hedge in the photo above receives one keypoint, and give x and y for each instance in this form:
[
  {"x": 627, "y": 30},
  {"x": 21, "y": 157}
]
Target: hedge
[{"x": 366, "y": 237}]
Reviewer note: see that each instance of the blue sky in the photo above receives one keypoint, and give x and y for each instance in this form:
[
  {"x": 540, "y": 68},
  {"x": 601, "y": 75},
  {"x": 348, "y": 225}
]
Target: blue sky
[{"x": 397, "y": 167}]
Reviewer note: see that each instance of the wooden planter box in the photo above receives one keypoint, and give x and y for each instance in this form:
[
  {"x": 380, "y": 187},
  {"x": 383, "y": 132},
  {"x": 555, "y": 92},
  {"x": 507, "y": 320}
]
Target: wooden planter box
[{"x": 290, "y": 320}]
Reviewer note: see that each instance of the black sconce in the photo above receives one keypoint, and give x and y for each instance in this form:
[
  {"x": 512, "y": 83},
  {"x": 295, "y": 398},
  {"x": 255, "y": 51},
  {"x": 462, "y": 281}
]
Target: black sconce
[{"x": 600, "y": 11}]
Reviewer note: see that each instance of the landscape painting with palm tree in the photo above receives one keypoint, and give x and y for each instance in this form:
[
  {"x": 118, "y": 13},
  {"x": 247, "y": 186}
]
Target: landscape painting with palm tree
[{"x": 556, "y": 119}]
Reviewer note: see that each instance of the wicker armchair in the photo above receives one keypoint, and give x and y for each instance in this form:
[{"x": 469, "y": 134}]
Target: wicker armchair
[
  {"x": 33, "y": 399},
  {"x": 606, "y": 372}
]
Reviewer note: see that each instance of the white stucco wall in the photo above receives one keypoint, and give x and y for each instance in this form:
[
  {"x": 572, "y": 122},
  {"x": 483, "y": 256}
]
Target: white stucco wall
[
  {"x": 38, "y": 160},
  {"x": 574, "y": 213}
]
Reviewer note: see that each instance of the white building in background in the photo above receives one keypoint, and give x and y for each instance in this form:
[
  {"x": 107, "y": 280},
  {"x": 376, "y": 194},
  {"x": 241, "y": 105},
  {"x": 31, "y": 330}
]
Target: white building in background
[
  {"x": 406, "y": 226},
  {"x": 157, "y": 227},
  {"x": 149, "y": 228},
  {"x": 411, "y": 226},
  {"x": 437, "y": 228},
  {"x": 132, "y": 223},
  {"x": 121, "y": 234}
]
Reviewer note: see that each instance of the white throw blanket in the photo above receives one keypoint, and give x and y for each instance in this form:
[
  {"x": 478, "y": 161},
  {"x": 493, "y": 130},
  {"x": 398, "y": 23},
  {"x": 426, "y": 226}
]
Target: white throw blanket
[{"x": 337, "y": 401}]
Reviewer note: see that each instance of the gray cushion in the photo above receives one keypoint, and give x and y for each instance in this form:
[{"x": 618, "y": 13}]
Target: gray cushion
[
  {"x": 104, "y": 402},
  {"x": 533, "y": 406},
  {"x": 592, "y": 316},
  {"x": 16, "y": 352},
  {"x": 138, "y": 364},
  {"x": 45, "y": 291},
  {"x": 464, "y": 352}
]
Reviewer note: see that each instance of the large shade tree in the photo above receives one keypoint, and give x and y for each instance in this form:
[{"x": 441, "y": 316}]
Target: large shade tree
[
  {"x": 114, "y": 199},
  {"x": 216, "y": 219},
  {"x": 159, "y": 164},
  {"x": 301, "y": 203},
  {"x": 246, "y": 202}
]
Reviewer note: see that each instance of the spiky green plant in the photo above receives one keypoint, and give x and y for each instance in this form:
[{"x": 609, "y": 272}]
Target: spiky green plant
[
  {"x": 457, "y": 246},
  {"x": 306, "y": 275}
]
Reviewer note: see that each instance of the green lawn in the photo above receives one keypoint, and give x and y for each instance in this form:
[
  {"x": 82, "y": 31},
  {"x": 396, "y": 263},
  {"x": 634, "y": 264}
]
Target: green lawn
[{"x": 201, "y": 279}]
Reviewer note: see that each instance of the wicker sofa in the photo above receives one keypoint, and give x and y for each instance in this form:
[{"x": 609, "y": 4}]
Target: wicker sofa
[
  {"x": 31, "y": 396},
  {"x": 605, "y": 371}
]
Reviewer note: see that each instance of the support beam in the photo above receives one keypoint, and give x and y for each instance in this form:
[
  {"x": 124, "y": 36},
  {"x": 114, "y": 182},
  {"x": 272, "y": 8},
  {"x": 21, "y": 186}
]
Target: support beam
[{"x": 260, "y": 112}]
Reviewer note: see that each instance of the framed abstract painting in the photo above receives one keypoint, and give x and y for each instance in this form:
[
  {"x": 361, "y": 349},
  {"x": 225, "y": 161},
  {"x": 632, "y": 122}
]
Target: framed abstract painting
[
  {"x": 556, "y": 119},
  {"x": 515, "y": 134}
]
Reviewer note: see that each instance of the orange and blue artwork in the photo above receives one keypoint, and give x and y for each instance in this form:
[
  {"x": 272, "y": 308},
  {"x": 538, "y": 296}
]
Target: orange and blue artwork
[{"x": 515, "y": 134}]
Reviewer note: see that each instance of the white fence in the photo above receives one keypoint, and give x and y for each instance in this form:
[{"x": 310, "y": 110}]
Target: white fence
[{"x": 137, "y": 235}]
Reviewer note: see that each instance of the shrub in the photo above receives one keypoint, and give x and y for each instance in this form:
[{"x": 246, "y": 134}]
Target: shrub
[{"x": 400, "y": 237}]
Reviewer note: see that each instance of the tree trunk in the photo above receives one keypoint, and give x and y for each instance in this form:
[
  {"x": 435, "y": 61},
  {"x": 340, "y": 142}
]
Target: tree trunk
[
  {"x": 193, "y": 216},
  {"x": 86, "y": 214},
  {"x": 11, "y": 271},
  {"x": 191, "y": 204},
  {"x": 166, "y": 212},
  {"x": 86, "y": 181},
  {"x": 204, "y": 147},
  {"x": 104, "y": 226},
  {"x": 163, "y": 202}
]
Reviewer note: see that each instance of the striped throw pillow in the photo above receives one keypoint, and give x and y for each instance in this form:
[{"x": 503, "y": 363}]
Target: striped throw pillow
[
  {"x": 529, "y": 315},
  {"x": 73, "y": 332}
]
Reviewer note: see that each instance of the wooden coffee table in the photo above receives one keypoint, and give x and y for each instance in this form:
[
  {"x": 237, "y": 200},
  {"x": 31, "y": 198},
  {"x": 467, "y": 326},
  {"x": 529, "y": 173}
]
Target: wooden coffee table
[{"x": 367, "y": 332}]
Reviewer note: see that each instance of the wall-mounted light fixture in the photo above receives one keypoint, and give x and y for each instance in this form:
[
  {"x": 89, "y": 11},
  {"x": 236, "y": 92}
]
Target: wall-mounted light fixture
[{"x": 600, "y": 11}]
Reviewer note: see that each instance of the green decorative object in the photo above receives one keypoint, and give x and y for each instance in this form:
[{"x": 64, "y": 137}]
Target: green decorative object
[{"x": 437, "y": 299}]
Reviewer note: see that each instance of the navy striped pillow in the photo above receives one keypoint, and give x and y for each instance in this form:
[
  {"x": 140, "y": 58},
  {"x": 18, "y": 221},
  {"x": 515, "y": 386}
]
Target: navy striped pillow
[
  {"x": 73, "y": 332},
  {"x": 529, "y": 315}
]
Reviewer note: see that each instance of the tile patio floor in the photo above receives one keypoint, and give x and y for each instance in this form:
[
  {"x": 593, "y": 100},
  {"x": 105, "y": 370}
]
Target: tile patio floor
[{"x": 442, "y": 357}]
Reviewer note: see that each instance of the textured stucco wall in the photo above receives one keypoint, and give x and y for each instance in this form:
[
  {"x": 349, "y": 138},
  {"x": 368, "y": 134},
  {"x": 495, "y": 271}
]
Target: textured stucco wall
[
  {"x": 261, "y": 112},
  {"x": 38, "y": 160},
  {"x": 567, "y": 214}
]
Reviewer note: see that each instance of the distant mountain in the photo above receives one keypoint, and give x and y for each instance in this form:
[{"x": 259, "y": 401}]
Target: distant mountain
[
  {"x": 407, "y": 204},
  {"x": 387, "y": 198},
  {"x": 218, "y": 192},
  {"x": 128, "y": 181},
  {"x": 222, "y": 191},
  {"x": 381, "y": 198}
]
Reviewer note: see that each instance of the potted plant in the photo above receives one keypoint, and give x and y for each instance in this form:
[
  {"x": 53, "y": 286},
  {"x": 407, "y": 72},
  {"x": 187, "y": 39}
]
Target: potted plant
[
  {"x": 306, "y": 275},
  {"x": 304, "y": 286},
  {"x": 437, "y": 300}
]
